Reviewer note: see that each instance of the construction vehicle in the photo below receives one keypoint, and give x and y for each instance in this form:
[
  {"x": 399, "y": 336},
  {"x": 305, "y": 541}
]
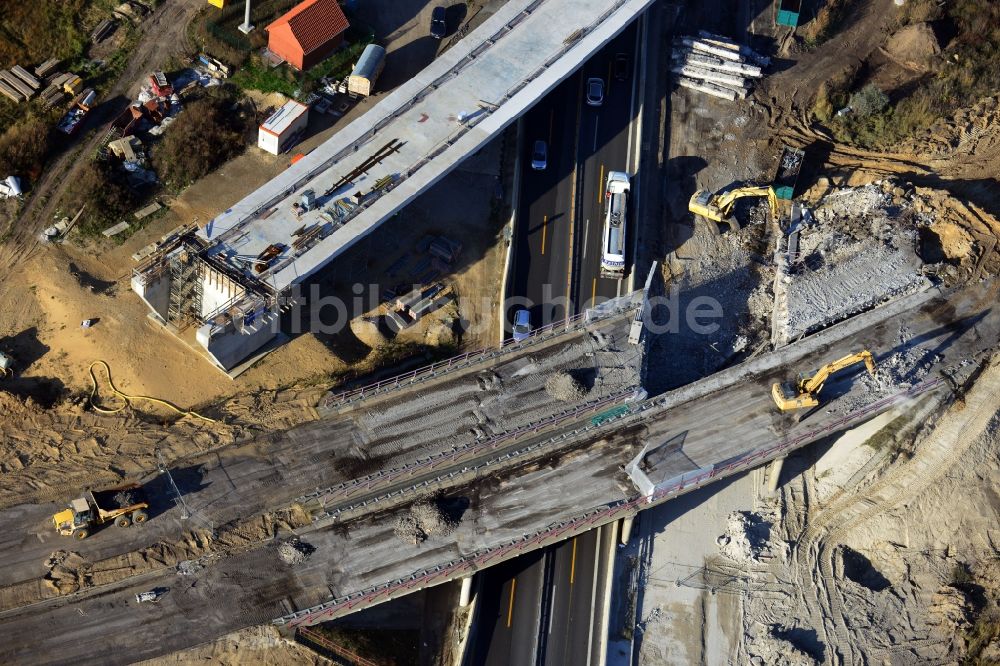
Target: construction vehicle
[
  {"x": 803, "y": 392},
  {"x": 718, "y": 207},
  {"x": 123, "y": 506}
]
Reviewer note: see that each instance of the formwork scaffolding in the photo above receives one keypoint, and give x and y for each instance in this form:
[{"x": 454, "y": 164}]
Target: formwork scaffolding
[{"x": 186, "y": 269}]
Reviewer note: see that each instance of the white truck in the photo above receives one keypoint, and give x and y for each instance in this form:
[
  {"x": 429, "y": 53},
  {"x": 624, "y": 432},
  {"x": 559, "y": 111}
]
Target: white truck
[{"x": 613, "y": 240}]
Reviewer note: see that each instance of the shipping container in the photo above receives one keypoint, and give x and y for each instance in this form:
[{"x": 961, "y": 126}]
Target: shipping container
[{"x": 284, "y": 128}]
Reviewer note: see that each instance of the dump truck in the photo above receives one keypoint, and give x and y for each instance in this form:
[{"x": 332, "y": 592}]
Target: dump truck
[
  {"x": 803, "y": 393},
  {"x": 718, "y": 207},
  {"x": 787, "y": 176},
  {"x": 123, "y": 505}
]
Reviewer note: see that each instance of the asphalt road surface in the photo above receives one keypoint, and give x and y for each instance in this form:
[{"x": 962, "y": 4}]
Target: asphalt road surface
[
  {"x": 510, "y": 596},
  {"x": 572, "y": 609},
  {"x": 557, "y": 251}
]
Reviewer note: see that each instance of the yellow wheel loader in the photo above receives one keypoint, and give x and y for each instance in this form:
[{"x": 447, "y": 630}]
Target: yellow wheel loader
[
  {"x": 123, "y": 506},
  {"x": 803, "y": 392}
]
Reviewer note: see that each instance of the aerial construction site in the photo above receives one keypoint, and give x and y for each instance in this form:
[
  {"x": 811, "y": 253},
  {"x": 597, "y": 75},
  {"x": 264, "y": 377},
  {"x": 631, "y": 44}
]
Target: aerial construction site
[{"x": 515, "y": 332}]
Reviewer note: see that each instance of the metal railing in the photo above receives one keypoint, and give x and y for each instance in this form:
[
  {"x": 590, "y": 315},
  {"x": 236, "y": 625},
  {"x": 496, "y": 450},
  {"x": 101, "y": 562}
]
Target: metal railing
[{"x": 570, "y": 324}]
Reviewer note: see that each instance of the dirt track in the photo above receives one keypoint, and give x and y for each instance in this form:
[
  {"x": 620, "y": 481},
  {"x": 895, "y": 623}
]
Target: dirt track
[{"x": 164, "y": 34}]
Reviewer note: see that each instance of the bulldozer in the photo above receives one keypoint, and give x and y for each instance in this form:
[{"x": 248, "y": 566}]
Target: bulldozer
[
  {"x": 123, "y": 506},
  {"x": 803, "y": 392},
  {"x": 719, "y": 207}
]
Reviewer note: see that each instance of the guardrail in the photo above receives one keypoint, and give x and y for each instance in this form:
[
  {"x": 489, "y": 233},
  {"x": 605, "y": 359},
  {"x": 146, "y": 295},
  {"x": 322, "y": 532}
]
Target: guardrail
[
  {"x": 465, "y": 360},
  {"x": 340, "y": 651},
  {"x": 575, "y": 525}
]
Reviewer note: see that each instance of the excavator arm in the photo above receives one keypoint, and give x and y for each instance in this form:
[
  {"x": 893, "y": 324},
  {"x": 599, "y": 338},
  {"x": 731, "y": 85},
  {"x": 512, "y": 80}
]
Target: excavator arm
[
  {"x": 802, "y": 393},
  {"x": 815, "y": 383}
]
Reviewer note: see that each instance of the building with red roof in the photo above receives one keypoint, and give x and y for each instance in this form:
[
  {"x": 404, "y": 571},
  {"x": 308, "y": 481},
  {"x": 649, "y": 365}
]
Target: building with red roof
[{"x": 308, "y": 34}]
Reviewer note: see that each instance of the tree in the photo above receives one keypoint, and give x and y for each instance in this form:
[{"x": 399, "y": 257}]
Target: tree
[{"x": 102, "y": 190}]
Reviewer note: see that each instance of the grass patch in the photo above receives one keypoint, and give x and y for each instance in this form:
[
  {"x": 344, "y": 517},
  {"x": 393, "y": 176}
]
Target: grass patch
[{"x": 968, "y": 70}]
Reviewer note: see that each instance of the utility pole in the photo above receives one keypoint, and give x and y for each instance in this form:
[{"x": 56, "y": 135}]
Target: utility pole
[{"x": 246, "y": 28}]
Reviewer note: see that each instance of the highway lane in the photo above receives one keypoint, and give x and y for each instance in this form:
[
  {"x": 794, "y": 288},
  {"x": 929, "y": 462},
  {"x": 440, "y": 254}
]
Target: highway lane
[
  {"x": 541, "y": 260},
  {"x": 604, "y": 146},
  {"x": 556, "y": 259},
  {"x": 572, "y": 609},
  {"x": 510, "y": 597}
]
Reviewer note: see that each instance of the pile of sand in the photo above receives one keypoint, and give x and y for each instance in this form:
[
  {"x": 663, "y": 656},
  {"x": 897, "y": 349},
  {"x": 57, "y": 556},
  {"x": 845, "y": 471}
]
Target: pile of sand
[{"x": 915, "y": 46}]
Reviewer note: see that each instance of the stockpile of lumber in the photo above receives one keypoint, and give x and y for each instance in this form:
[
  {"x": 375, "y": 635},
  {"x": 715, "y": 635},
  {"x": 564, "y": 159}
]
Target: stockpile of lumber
[{"x": 716, "y": 65}]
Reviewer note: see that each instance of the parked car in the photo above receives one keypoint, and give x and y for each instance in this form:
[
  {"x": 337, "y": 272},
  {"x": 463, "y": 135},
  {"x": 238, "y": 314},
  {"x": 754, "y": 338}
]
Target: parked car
[
  {"x": 539, "y": 156},
  {"x": 439, "y": 26},
  {"x": 621, "y": 66},
  {"x": 522, "y": 325},
  {"x": 595, "y": 91}
]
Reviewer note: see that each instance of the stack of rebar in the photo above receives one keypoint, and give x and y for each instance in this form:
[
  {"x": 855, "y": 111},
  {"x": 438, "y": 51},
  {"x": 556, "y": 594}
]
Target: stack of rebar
[{"x": 716, "y": 65}]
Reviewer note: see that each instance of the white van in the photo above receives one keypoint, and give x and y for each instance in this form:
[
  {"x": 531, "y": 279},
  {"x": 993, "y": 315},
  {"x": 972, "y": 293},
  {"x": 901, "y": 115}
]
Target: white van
[{"x": 615, "y": 206}]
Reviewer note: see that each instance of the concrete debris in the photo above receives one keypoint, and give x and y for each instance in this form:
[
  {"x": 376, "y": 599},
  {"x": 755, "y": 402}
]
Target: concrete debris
[
  {"x": 861, "y": 250},
  {"x": 294, "y": 551},
  {"x": 426, "y": 519},
  {"x": 746, "y": 537},
  {"x": 774, "y": 648},
  {"x": 565, "y": 386},
  {"x": 716, "y": 65}
]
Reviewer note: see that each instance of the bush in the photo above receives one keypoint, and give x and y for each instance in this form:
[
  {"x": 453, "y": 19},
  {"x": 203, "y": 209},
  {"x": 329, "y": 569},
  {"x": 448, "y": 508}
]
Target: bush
[
  {"x": 107, "y": 197},
  {"x": 210, "y": 131},
  {"x": 868, "y": 101},
  {"x": 23, "y": 147}
]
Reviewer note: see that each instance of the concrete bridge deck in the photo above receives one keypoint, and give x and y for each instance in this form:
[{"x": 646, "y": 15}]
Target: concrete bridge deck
[{"x": 540, "y": 489}]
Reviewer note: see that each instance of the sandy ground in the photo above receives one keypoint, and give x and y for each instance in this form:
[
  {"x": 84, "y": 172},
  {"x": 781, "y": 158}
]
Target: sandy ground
[
  {"x": 679, "y": 618},
  {"x": 48, "y": 291},
  {"x": 884, "y": 563}
]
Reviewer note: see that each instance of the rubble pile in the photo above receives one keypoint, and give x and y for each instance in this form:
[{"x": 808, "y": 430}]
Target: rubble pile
[
  {"x": 858, "y": 248},
  {"x": 426, "y": 519},
  {"x": 564, "y": 386},
  {"x": 716, "y": 65},
  {"x": 746, "y": 537}
]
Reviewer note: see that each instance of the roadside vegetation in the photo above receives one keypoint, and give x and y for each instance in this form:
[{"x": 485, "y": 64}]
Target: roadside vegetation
[
  {"x": 216, "y": 31},
  {"x": 967, "y": 69},
  {"x": 212, "y": 129}
]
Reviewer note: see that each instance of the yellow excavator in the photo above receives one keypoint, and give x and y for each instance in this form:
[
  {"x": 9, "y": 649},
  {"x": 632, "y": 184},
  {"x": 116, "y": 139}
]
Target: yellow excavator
[
  {"x": 718, "y": 207},
  {"x": 803, "y": 392}
]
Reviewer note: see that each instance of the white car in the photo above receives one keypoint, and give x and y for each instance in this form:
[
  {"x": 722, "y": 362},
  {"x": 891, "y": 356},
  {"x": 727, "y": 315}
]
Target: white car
[
  {"x": 595, "y": 91},
  {"x": 539, "y": 156}
]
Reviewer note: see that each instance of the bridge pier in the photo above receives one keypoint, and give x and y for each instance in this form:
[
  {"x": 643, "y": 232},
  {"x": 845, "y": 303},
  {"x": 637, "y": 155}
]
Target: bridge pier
[
  {"x": 626, "y": 531},
  {"x": 774, "y": 474},
  {"x": 465, "y": 598}
]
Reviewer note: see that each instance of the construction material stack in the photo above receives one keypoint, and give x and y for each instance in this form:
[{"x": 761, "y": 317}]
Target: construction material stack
[{"x": 716, "y": 65}]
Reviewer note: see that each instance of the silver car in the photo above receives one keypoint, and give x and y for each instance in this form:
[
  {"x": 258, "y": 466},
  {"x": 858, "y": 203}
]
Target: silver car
[{"x": 595, "y": 91}]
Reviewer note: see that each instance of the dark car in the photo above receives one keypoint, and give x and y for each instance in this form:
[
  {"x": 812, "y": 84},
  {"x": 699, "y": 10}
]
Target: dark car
[
  {"x": 595, "y": 91},
  {"x": 539, "y": 156},
  {"x": 621, "y": 66},
  {"x": 439, "y": 26}
]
